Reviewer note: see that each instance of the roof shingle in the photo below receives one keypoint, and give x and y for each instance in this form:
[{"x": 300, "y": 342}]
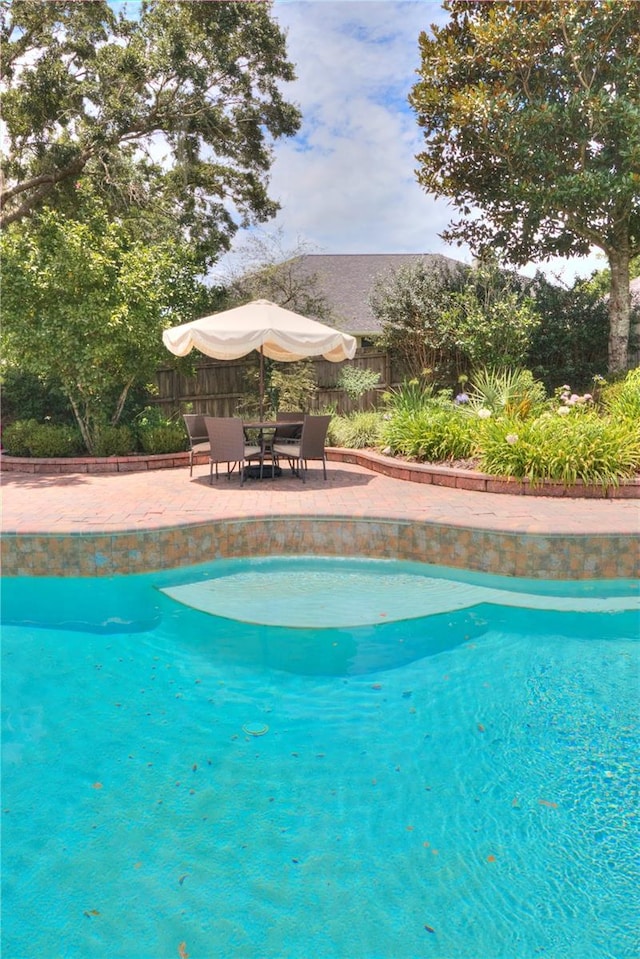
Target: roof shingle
[{"x": 346, "y": 280}]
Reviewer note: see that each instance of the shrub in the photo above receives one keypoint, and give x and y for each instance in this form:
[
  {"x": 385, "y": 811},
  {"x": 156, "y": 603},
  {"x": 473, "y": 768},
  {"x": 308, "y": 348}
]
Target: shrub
[
  {"x": 431, "y": 434},
  {"x": 495, "y": 318},
  {"x": 449, "y": 319},
  {"x": 414, "y": 306},
  {"x": 15, "y": 437},
  {"x": 170, "y": 438},
  {"x": 42, "y": 440},
  {"x": 577, "y": 446},
  {"x": 113, "y": 441},
  {"x": 159, "y": 433},
  {"x": 26, "y": 397},
  {"x": 51, "y": 440},
  {"x": 356, "y": 431},
  {"x": 570, "y": 343},
  {"x": 356, "y": 381}
]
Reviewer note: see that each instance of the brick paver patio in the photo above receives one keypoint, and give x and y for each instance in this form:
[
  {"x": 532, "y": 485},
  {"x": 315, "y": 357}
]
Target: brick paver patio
[{"x": 167, "y": 498}]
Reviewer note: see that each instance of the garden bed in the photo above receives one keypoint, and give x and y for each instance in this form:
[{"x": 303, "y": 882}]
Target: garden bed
[{"x": 460, "y": 475}]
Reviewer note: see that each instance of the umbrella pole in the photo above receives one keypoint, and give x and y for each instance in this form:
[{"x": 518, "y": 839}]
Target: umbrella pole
[{"x": 261, "y": 384}]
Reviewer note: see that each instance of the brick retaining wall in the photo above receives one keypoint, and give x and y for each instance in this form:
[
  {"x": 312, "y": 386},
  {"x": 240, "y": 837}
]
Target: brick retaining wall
[{"x": 387, "y": 465}]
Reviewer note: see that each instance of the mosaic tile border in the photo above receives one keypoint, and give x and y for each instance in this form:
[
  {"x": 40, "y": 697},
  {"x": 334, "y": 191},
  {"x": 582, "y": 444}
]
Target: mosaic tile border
[{"x": 532, "y": 556}]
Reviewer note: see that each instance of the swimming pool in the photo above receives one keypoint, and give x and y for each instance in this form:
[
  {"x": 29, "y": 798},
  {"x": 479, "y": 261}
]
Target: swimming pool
[{"x": 180, "y": 778}]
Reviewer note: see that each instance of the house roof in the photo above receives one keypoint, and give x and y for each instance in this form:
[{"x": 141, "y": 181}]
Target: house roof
[{"x": 345, "y": 280}]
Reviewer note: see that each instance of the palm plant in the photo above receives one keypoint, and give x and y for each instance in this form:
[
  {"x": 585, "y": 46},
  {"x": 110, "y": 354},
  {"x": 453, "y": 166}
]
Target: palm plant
[{"x": 513, "y": 392}]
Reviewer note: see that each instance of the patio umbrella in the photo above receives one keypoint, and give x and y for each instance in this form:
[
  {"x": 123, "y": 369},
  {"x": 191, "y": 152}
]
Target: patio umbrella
[{"x": 263, "y": 326}]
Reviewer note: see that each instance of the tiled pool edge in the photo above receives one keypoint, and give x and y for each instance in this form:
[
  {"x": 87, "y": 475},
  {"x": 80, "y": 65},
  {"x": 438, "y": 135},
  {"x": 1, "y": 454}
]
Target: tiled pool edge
[{"x": 526, "y": 555}]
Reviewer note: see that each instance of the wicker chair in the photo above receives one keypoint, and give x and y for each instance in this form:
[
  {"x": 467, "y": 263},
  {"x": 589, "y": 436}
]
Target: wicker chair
[
  {"x": 198, "y": 436},
  {"x": 311, "y": 446},
  {"x": 288, "y": 430},
  {"x": 226, "y": 438}
]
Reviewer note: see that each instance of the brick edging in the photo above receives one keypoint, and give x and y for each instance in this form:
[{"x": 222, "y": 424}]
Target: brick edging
[
  {"x": 96, "y": 464},
  {"x": 481, "y": 482},
  {"x": 377, "y": 462}
]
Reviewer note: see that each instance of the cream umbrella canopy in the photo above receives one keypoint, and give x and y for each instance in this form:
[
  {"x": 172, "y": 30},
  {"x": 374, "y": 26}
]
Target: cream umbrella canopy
[{"x": 280, "y": 334}]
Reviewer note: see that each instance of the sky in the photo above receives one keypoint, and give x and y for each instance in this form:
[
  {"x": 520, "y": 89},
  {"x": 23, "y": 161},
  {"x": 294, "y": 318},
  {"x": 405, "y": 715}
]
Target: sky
[{"x": 346, "y": 183}]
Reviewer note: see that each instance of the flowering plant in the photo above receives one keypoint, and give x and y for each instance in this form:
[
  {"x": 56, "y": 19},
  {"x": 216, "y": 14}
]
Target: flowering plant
[{"x": 569, "y": 399}]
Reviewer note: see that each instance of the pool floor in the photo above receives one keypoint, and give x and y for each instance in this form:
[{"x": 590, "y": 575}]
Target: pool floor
[{"x": 472, "y": 797}]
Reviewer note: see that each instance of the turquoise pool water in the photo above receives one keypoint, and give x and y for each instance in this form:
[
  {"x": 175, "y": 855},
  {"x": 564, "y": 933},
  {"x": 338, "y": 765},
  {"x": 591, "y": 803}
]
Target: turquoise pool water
[{"x": 444, "y": 765}]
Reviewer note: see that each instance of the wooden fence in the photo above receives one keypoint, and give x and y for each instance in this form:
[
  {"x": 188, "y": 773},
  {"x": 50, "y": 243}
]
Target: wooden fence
[{"x": 219, "y": 386}]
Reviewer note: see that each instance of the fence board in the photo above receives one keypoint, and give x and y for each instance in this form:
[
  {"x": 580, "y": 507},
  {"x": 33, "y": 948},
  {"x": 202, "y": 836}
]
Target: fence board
[{"x": 218, "y": 386}]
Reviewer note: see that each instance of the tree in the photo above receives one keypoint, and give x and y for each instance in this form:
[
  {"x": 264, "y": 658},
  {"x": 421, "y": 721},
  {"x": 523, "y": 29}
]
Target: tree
[
  {"x": 172, "y": 111},
  {"x": 495, "y": 317},
  {"x": 266, "y": 269},
  {"x": 442, "y": 322},
  {"x": 413, "y": 306},
  {"x": 84, "y": 306},
  {"x": 600, "y": 280},
  {"x": 570, "y": 344},
  {"x": 531, "y": 114}
]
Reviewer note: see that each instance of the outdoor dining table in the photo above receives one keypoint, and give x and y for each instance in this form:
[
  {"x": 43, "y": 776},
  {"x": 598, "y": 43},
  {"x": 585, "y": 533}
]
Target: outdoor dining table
[
  {"x": 263, "y": 428},
  {"x": 260, "y": 424}
]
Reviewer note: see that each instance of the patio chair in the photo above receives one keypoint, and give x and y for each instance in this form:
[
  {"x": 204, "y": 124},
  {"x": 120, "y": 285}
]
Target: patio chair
[
  {"x": 226, "y": 438},
  {"x": 288, "y": 430},
  {"x": 198, "y": 436},
  {"x": 285, "y": 433},
  {"x": 310, "y": 447}
]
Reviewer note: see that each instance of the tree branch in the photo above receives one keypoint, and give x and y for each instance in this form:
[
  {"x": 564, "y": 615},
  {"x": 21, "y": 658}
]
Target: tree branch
[
  {"x": 20, "y": 46},
  {"x": 41, "y": 185},
  {"x": 586, "y": 85}
]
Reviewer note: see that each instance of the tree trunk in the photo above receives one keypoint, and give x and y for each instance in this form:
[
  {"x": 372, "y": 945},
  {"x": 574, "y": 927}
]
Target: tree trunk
[
  {"x": 82, "y": 423},
  {"x": 121, "y": 401},
  {"x": 619, "y": 310}
]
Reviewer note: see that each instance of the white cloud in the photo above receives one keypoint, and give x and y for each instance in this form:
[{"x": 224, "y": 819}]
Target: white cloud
[{"x": 346, "y": 183}]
